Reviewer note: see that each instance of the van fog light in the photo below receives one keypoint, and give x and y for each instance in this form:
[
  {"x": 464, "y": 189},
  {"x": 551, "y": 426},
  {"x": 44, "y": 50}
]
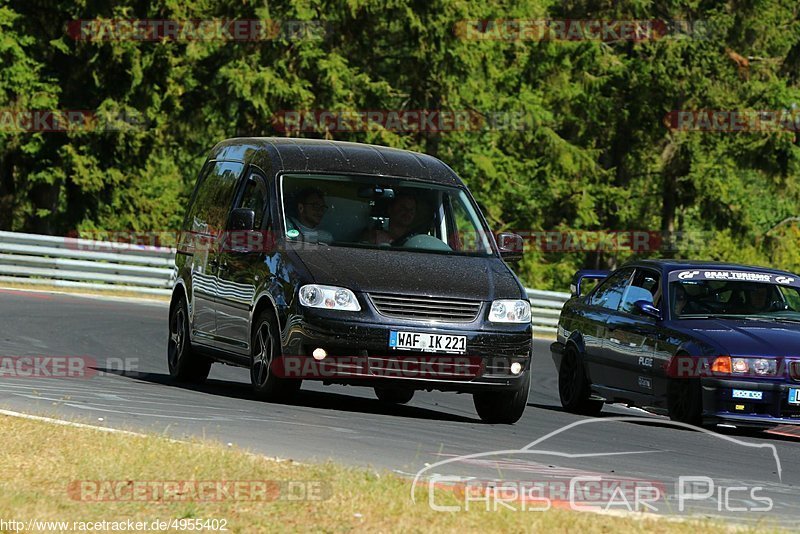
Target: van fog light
[
  {"x": 319, "y": 354},
  {"x": 516, "y": 368}
]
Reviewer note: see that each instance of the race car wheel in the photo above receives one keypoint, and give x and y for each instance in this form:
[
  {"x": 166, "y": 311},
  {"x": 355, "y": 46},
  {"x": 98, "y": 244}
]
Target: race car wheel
[
  {"x": 394, "y": 396},
  {"x": 685, "y": 401},
  {"x": 266, "y": 347},
  {"x": 184, "y": 364},
  {"x": 573, "y": 387},
  {"x": 504, "y": 407}
]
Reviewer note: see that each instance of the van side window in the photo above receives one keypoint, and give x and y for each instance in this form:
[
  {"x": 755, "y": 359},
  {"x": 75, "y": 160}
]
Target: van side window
[
  {"x": 254, "y": 197},
  {"x": 213, "y": 198}
]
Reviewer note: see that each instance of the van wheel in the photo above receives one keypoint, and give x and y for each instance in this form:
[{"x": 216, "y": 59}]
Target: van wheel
[
  {"x": 266, "y": 347},
  {"x": 184, "y": 364},
  {"x": 394, "y": 396},
  {"x": 573, "y": 387},
  {"x": 685, "y": 401},
  {"x": 504, "y": 407}
]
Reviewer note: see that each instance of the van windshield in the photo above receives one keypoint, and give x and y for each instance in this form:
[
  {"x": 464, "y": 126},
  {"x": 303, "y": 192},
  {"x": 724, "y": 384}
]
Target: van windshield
[{"x": 380, "y": 212}]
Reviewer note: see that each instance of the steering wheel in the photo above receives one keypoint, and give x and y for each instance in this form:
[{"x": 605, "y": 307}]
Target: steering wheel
[
  {"x": 777, "y": 305},
  {"x": 400, "y": 241},
  {"x": 702, "y": 306}
]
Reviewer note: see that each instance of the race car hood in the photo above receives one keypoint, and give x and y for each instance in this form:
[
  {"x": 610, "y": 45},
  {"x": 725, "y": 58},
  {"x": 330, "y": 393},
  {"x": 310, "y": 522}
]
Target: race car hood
[
  {"x": 744, "y": 337},
  {"x": 411, "y": 273}
]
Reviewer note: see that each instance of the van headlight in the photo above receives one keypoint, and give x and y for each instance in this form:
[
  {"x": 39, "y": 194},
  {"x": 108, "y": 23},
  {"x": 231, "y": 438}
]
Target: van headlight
[
  {"x": 510, "y": 311},
  {"x": 328, "y": 297}
]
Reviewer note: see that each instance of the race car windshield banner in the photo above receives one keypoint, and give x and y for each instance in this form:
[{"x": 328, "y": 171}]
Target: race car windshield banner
[{"x": 701, "y": 275}]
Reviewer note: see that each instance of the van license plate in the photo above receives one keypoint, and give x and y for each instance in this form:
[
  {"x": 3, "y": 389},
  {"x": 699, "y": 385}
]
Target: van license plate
[
  {"x": 425, "y": 342},
  {"x": 794, "y": 396}
]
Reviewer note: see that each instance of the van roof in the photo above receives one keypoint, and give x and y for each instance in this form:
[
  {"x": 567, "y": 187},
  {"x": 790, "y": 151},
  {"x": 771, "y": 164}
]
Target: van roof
[{"x": 281, "y": 154}]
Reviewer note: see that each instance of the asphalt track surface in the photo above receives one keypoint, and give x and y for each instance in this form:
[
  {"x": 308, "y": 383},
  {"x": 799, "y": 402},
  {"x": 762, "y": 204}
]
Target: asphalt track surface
[{"x": 738, "y": 472}]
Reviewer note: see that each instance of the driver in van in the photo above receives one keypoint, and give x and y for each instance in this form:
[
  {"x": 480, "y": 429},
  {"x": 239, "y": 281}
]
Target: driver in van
[
  {"x": 310, "y": 207},
  {"x": 402, "y": 212}
]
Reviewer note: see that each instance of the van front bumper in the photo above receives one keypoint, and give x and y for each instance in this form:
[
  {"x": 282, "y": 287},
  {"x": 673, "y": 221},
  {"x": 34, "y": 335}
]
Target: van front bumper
[{"x": 358, "y": 353}]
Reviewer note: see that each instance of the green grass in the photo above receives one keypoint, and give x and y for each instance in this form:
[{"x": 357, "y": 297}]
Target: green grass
[{"x": 40, "y": 461}]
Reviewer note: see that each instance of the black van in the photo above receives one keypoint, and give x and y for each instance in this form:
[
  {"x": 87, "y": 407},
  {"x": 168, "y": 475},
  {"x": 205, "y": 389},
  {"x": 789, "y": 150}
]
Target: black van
[{"x": 350, "y": 264}]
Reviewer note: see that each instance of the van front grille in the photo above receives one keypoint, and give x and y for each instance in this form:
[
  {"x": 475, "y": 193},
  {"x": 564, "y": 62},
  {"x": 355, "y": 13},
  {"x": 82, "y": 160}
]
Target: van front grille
[{"x": 426, "y": 308}]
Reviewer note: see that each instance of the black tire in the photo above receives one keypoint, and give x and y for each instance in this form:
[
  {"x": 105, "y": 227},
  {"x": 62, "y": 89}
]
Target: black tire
[
  {"x": 503, "y": 407},
  {"x": 685, "y": 401},
  {"x": 574, "y": 389},
  {"x": 265, "y": 347},
  {"x": 394, "y": 396},
  {"x": 185, "y": 365}
]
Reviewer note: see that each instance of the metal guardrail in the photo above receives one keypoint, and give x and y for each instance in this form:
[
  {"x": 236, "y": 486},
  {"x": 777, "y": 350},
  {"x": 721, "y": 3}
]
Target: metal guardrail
[{"x": 83, "y": 263}]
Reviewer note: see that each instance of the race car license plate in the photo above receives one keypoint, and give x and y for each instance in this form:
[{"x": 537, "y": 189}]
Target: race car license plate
[
  {"x": 744, "y": 394},
  {"x": 426, "y": 342},
  {"x": 794, "y": 396}
]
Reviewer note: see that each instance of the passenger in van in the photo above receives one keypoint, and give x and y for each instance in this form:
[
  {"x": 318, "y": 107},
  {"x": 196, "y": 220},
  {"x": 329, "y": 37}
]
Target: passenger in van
[
  {"x": 402, "y": 212},
  {"x": 310, "y": 207}
]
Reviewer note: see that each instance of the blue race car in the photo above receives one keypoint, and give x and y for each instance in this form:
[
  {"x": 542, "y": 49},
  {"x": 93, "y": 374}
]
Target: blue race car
[{"x": 702, "y": 342}]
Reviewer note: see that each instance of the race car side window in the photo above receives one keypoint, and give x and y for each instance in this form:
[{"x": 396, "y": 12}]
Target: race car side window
[
  {"x": 609, "y": 293},
  {"x": 644, "y": 286}
]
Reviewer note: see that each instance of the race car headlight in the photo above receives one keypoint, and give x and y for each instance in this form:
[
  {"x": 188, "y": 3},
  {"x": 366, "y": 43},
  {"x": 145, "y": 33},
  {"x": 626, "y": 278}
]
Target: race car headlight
[
  {"x": 328, "y": 297},
  {"x": 510, "y": 311},
  {"x": 754, "y": 366}
]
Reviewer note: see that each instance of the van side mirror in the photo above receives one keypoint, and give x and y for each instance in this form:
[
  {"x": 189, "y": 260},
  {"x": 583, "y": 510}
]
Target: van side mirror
[
  {"x": 242, "y": 219},
  {"x": 511, "y": 246},
  {"x": 646, "y": 308}
]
